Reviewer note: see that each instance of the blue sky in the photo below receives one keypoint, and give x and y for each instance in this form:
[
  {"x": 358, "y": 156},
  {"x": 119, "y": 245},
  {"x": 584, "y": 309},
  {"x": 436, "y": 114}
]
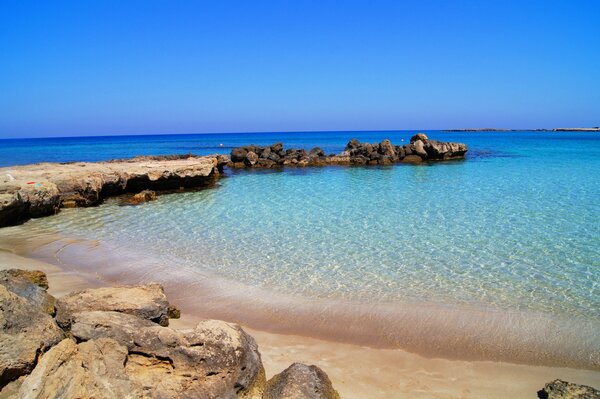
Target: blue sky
[{"x": 147, "y": 67}]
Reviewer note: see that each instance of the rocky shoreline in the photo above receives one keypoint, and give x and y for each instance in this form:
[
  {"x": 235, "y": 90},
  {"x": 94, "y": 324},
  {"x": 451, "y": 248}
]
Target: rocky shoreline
[
  {"x": 115, "y": 342},
  {"x": 37, "y": 190},
  {"x": 42, "y": 189}
]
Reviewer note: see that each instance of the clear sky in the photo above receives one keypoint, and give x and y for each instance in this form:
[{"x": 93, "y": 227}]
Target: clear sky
[{"x": 133, "y": 67}]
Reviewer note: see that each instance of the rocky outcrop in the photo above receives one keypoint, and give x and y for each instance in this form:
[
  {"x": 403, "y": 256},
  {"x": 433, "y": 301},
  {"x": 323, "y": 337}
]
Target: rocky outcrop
[
  {"x": 26, "y": 328},
  {"x": 559, "y": 389},
  {"x": 147, "y": 302},
  {"x": 142, "y": 196},
  {"x": 420, "y": 149},
  {"x": 213, "y": 360},
  {"x": 300, "y": 381},
  {"x": 117, "y": 344},
  {"x": 42, "y": 189}
]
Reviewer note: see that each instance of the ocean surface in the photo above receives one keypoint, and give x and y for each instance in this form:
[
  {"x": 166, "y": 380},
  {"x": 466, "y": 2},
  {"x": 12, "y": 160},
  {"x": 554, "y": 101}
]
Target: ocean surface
[{"x": 512, "y": 230}]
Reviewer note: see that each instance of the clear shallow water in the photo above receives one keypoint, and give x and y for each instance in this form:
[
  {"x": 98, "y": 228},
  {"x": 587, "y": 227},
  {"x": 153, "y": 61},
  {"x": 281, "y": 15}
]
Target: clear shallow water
[{"x": 515, "y": 227}]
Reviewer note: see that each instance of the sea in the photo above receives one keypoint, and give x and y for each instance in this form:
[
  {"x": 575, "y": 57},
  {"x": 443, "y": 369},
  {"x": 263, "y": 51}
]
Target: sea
[{"x": 496, "y": 256}]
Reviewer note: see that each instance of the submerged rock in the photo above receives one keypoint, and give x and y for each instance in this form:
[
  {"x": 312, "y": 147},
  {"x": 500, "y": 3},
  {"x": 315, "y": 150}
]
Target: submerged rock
[
  {"x": 142, "y": 196},
  {"x": 300, "y": 381},
  {"x": 145, "y": 301},
  {"x": 559, "y": 389}
]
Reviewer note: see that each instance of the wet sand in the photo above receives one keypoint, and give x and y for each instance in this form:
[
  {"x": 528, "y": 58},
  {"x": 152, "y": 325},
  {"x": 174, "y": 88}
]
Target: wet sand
[{"x": 359, "y": 371}]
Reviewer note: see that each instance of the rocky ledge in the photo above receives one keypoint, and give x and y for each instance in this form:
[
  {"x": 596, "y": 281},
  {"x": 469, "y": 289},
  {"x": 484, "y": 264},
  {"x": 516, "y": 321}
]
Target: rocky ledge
[
  {"x": 420, "y": 149},
  {"x": 114, "y": 342},
  {"x": 42, "y": 189}
]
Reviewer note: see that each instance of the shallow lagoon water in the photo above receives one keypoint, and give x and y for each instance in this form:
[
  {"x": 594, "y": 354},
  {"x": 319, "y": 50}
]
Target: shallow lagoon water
[{"x": 514, "y": 228}]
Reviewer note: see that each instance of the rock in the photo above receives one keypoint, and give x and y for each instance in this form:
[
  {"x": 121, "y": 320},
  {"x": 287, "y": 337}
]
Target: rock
[
  {"x": 143, "y": 196},
  {"x": 25, "y": 332},
  {"x": 238, "y": 154},
  {"x": 213, "y": 360},
  {"x": 316, "y": 152},
  {"x": 277, "y": 147},
  {"x": 173, "y": 312},
  {"x": 559, "y": 389},
  {"x": 251, "y": 158},
  {"x": 31, "y": 285},
  {"x": 420, "y": 149},
  {"x": 418, "y": 137},
  {"x": 93, "y": 369},
  {"x": 444, "y": 151},
  {"x": 353, "y": 144},
  {"x": 300, "y": 381},
  {"x": 386, "y": 148},
  {"x": 41, "y": 189},
  {"x": 145, "y": 301},
  {"x": 412, "y": 159}
]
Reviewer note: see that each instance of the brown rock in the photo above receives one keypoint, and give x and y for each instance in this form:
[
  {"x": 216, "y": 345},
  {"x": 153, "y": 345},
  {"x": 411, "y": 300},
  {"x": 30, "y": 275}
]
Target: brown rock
[
  {"x": 143, "y": 196},
  {"x": 386, "y": 148},
  {"x": 25, "y": 332},
  {"x": 412, "y": 159},
  {"x": 146, "y": 301},
  {"x": 93, "y": 369},
  {"x": 559, "y": 389},
  {"x": 300, "y": 381},
  {"x": 251, "y": 158},
  {"x": 419, "y": 137},
  {"x": 213, "y": 360}
]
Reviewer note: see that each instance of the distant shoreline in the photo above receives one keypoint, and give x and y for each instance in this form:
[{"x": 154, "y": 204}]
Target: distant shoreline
[{"x": 560, "y": 129}]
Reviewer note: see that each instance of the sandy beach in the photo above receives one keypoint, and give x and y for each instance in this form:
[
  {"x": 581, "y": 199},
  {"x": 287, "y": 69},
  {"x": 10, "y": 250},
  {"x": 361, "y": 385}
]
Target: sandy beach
[{"x": 360, "y": 371}]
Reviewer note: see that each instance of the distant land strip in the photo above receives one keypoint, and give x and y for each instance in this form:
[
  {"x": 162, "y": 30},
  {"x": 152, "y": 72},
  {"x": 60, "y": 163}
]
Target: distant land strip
[{"x": 558, "y": 129}]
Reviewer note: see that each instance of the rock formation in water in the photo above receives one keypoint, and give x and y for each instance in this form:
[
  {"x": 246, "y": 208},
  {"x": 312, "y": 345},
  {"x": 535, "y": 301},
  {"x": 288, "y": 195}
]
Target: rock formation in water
[
  {"x": 420, "y": 149},
  {"x": 115, "y": 343},
  {"x": 41, "y": 189}
]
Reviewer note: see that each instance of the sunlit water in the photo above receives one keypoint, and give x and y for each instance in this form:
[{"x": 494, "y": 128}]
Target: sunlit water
[{"x": 515, "y": 227}]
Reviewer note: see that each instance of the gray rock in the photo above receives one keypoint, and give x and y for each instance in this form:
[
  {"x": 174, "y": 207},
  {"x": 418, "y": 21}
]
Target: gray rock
[
  {"x": 31, "y": 285},
  {"x": 559, "y": 389},
  {"x": 300, "y": 381},
  {"x": 146, "y": 301}
]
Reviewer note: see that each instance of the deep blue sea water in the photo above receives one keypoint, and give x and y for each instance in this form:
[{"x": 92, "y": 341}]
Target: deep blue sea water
[{"x": 513, "y": 228}]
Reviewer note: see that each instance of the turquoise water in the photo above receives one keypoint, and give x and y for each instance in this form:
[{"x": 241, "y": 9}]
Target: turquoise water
[{"x": 514, "y": 227}]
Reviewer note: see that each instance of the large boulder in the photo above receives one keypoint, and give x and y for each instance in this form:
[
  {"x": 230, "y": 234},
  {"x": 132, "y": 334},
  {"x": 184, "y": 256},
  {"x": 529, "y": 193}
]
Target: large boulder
[
  {"x": 93, "y": 369},
  {"x": 238, "y": 154},
  {"x": 386, "y": 148},
  {"x": 251, "y": 158},
  {"x": 26, "y": 331},
  {"x": 419, "y": 149},
  {"x": 145, "y": 301},
  {"x": 213, "y": 360},
  {"x": 559, "y": 389},
  {"x": 31, "y": 285},
  {"x": 300, "y": 381},
  {"x": 445, "y": 150},
  {"x": 419, "y": 137}
]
